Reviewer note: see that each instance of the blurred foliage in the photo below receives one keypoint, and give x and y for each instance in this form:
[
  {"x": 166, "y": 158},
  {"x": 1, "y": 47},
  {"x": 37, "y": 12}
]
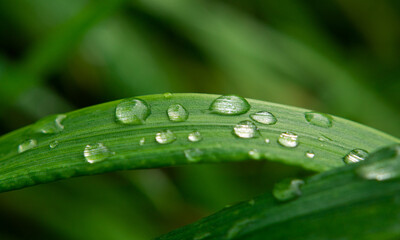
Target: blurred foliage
[{"x": 336, "y": 56}]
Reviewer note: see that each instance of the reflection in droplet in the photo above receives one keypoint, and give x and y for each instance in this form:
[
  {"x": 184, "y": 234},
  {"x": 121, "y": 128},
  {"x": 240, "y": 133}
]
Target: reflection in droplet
[
  {"x": 264, "y": 117},
  {"x": 177, "y": 113},
  {"x": 229, "y": 105},
  {"x": 132, "y": 111},
  {"x": 165, "y": 137},
  {"x": 27, "y": 145},
  {"x": 195, "y": 136},
  {"x": 96, "y": 153},
  {"x": 288, "y": 139},
  {"x": 355, "y": 156},
  {"x": 246, "y": 129}
]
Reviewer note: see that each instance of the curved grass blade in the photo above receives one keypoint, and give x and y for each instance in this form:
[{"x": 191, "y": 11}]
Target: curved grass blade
[
  {"x": 92, "y": 140},
  {"x": 344, "y": 203}
]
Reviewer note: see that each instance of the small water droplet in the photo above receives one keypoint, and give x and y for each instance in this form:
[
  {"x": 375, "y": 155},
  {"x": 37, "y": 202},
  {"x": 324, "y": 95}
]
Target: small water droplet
[
  {"x": 288, "y": 139},
  {"x": 27, "y": 145},
  {"x": 177, "y": 113},
  {"x": 167, "y": 95},
  {"x": 267, "y": 141},
  {"x": 254, "y": 154},
  {"x": 264, "y": 117},
  {"x": 319, "y": 119},
  {"x": 246, "y": 129},
  {"x": 310, "y": 154},
  {"x": 132, "y": 111},
  {"x": 51, "y": 124},
  {"x": 355, "y": 156},
  {"x": 237, "y": 228},
  {"x": 287, "y": 189},
  {"x": 142, "y": 141},
  {"x": 229, "y": 105},
  {"x": 53, "y": 144},
  {"x": 96, "y": 153},
  {"x": 201, "y": 236},
  {"x": 165, "y": 137},
  {"x": 193, "y": 155},
  {"x": 195, "y": 136}
]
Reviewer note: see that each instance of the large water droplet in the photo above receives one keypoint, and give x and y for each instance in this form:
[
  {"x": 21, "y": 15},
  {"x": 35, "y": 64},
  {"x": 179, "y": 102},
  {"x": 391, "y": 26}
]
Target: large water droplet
[
  {"x": 27, "y": 145},
  {"x": 237, "y": 228},
  {"x": 230, "y": 105},
  {"x": 194, "y": 154},
  {"x": 355, "y": 156},
  {"x": 201, "y": 236},
  {"x": 319, "y": 119},
  {"x": 288, "y": 139},
  {"x": 132, "y": 111},
  {"x": 264, "y": 117},
  {"x": 96, "y": 153},
  {"x": 177, "y": 113},
  {"x": 246, "y": 129},
  {"x": 195, "y": 136},
  {"x": 310, "y": 154},
  {"x": 51, "y": 124},
  {"x": 165, "y": 137},
  {"x": 255, "y": 154},
  {"x": 53, "y": 144},
  {"x": 287, "y": 189},
  {"x": 383, "y": 164}
]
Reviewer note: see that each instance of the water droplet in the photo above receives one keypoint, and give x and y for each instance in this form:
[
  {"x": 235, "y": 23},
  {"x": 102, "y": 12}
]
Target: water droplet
[
  {"x": 319, "y": 119},
  {"x": 53, "y": 144},
  {"x": 51, "y": 124},
  {"x": 288, "y": 139},
  {"x": 230, "y": 105},
  {"x": 237, "y": 228},
  {"x": 254, "y": 154},
  {"x": 267, "y": 141},
  {"x": 167, "y": 95},
  {"x": 383, "y": 164},
  {"x": 355, "y": 156},
  {"x": 177, "y": 113},
  {"x": 165, "y": 137},
  {"x": 201, "y": 236},
  {"x": 195, "y": 136},
  {"x": 287, "y": 189},
  {"x": 132, "y": 111},
  {"x": 96, "y": 153},
  {"x": 264, "y": 118},
  {"x": 142, "y": 141},
  {"x": 310, "y": 154},
  {"x": 245, "y": 129},
  {"x": 193, "y": 155},
  {"x": 27, "y": 145}
]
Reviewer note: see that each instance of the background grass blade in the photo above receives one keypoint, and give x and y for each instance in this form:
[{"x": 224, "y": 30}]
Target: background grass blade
[
  {"x": 49, "y": 160},
  {"x": 333, "y": 205}
]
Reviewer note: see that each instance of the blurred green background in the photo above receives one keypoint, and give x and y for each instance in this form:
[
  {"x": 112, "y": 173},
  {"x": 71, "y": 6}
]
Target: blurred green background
[{"x": 335, "y": 56}]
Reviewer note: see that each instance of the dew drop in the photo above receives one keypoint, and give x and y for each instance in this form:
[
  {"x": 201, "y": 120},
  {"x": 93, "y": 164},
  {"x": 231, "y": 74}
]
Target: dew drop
[
  {"x": 96, "y": 153},
  {"x": 177, "y": 113},
  {"x": 142, "y": 141},
  {"x": 194, "y": 154},
  {"x": 288, "y": 139},
  {"x": 246, "y": 129},
  {"x": 355, "y": 156},
  {"x": 254, "y": 154},
  {"x": 165, "y": 137},
  {"x": 229, "y": 105},
  {"x": 51, "y": 124},
  {"x": 167, "y": 95},
  {"x": 195, "y": 136},
  {"x": 53, "y": 144},
  {"x": 267, "y": 141},
  {"x": 237, "y": 228},
  {"x": 264, "y": 118},
  {"x": 201, "y": 236},
  {"x": 287, "y": 189},
  {"x": 132, "y": 111},
  {"x": 27, "y": 145},
  {"x": 319, "y": 119},
  {"x": 310, "y": 154}
]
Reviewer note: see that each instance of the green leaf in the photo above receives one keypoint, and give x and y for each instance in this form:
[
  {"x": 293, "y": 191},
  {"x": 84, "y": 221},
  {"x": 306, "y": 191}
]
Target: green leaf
[
  {"x": 92, "y": 140},
  {"x": 344, "y": 203}
]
